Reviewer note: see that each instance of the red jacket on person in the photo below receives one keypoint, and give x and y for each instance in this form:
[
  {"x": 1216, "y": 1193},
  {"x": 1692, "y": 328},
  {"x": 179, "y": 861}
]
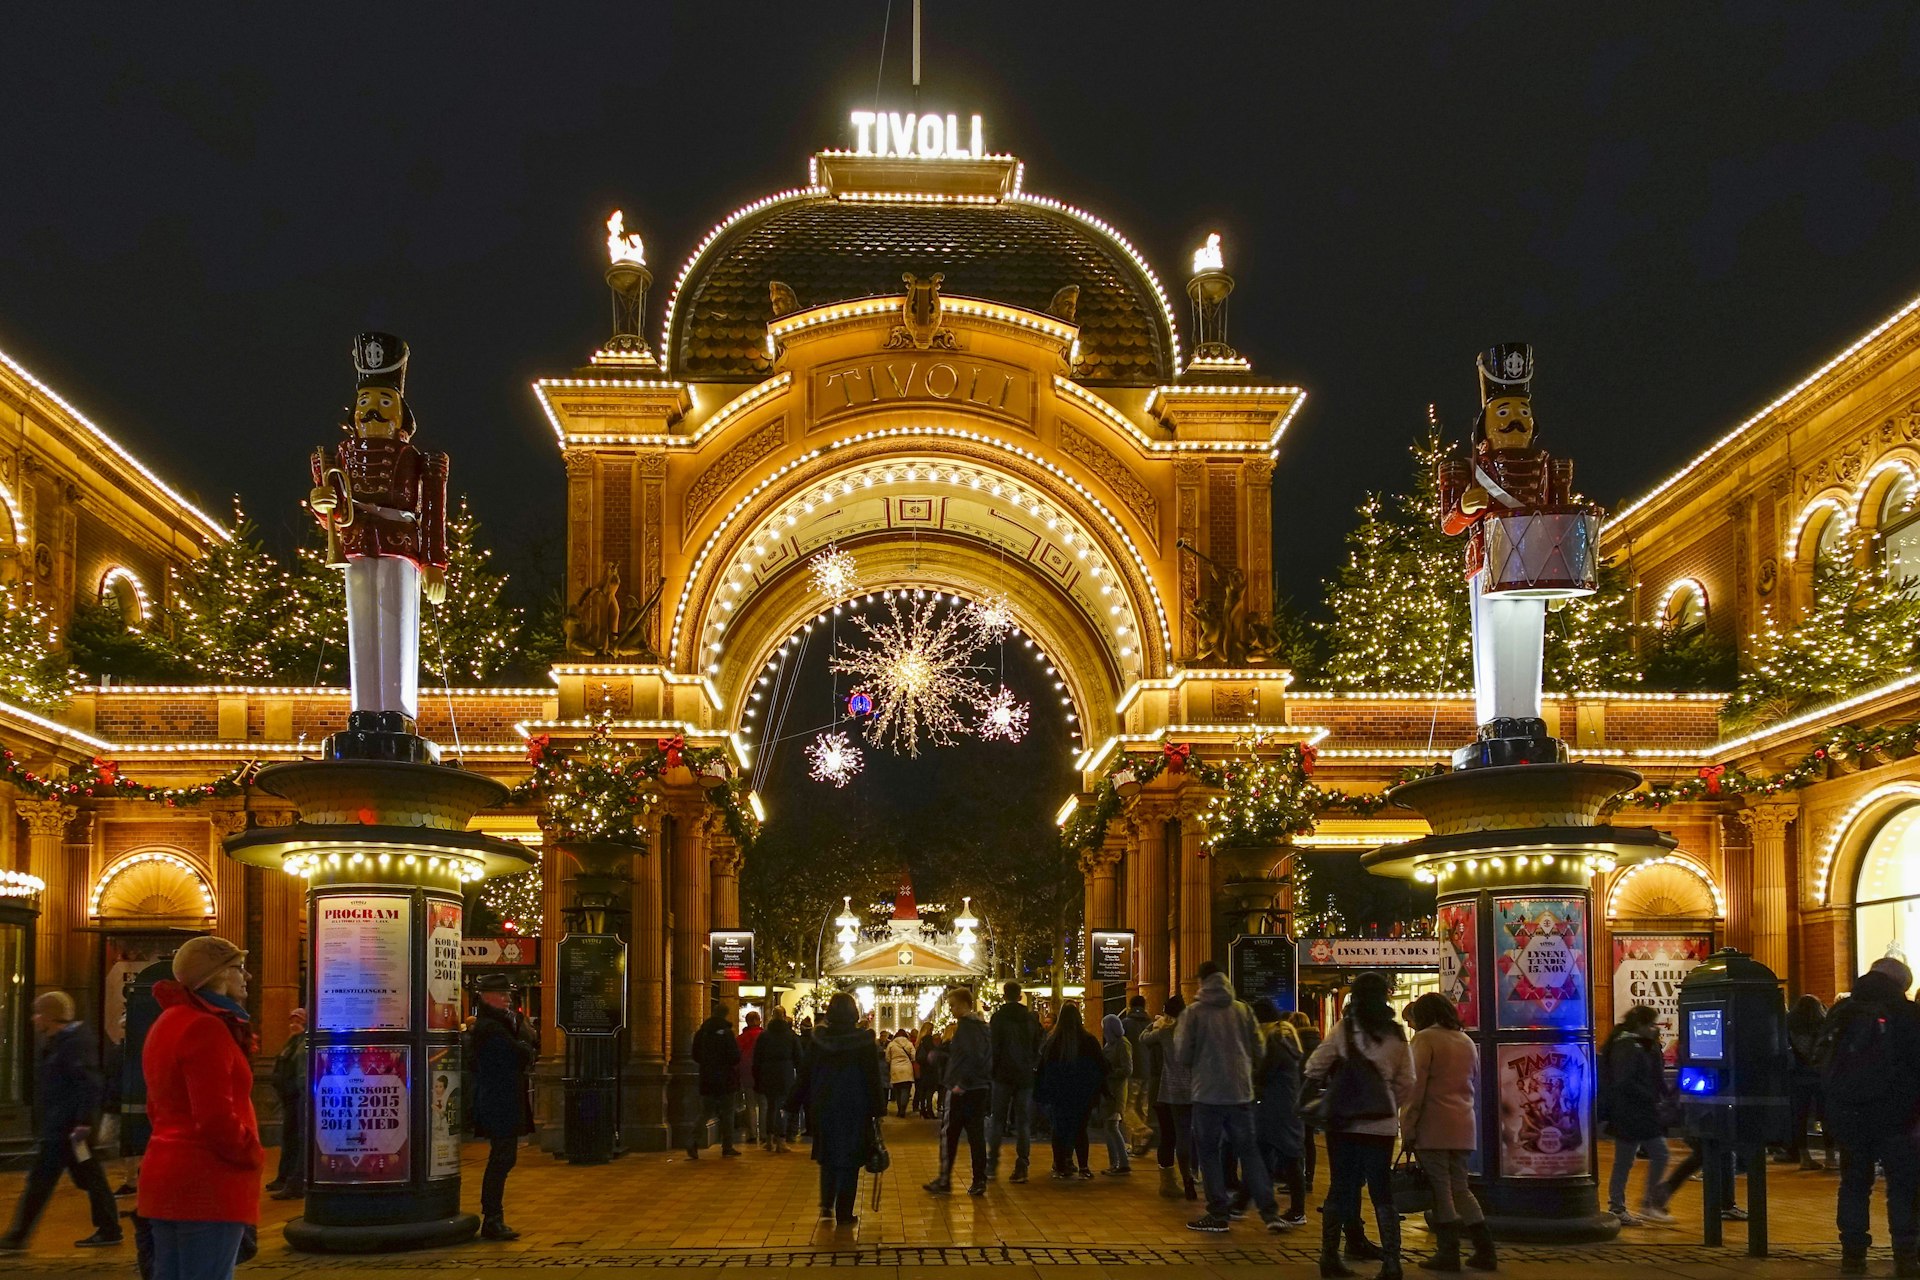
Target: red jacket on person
[{"x": 204, "y": 1159}]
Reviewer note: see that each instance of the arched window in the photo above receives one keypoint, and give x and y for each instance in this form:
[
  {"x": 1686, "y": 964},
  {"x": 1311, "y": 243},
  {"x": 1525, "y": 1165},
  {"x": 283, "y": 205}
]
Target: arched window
[
  {"x": 1898, "y": 523},
  {"x": 152, "y": 886},
  {"x": 1886, "y": 914},
  {"x": 1826, "y": 543},
  {"x": 121, "y": 587},
  {"x": 1685, "y": 607},
  {"x": 13, "y": 546}
]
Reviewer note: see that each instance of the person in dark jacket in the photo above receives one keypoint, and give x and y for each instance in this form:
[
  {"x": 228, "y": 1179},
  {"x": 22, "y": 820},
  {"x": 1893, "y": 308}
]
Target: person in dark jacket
[
  {"x": 1172, "y": 1103},
  {"x": 1636, "y": 1092},
  {"x": 1138, "y": 1111},
  {"x": 1072, "y": 1079},
  {"x": 716, "y": 1051},
  {"x": 1015, "y": 1034},
  {"x": 501, "y": 1057},
  {"x": 1276, "y": 1112},
  {"x": 66, "y": 1096},
  {"x": 1869, "y": 1056},
  {"x": 776, "y": 1062},
  {"x": 926, "y": 1072},
  {"x": 843, "y": 1090},
  {"x": 966, "y": 1081},
  {"x": 290, "y": 1086},
  {"x": 1804, "y": 1022},
  {"x": 1108, "y": 1114}
]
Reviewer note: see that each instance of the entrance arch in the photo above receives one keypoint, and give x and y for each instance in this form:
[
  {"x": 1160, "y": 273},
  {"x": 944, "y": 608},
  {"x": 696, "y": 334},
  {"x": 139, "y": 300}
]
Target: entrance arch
[{"x": 1886, "y": 885}]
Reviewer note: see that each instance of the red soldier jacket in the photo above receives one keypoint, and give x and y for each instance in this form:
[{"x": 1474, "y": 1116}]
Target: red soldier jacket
[
  {"x": 1532, "y": 478},
  {"x": 399, "y": 499}
]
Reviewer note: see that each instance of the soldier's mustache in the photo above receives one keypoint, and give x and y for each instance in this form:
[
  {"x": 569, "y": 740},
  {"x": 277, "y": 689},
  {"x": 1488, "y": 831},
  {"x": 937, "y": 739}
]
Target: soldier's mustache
[{"x": 374, "y": 415}]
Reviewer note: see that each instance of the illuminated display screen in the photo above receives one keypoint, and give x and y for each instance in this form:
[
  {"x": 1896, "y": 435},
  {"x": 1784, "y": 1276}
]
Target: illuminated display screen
[{"x": 1706, "y": 1034}]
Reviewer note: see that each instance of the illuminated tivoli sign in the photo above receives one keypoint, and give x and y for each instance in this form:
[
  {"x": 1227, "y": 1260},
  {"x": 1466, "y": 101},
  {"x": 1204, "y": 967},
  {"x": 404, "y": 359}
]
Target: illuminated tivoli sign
[{"x": 916, "y": 137}]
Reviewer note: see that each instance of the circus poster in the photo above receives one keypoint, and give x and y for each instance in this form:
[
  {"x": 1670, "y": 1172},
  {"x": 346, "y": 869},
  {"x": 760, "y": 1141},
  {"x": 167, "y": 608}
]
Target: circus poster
[{"x": 1545, "y": 1110}]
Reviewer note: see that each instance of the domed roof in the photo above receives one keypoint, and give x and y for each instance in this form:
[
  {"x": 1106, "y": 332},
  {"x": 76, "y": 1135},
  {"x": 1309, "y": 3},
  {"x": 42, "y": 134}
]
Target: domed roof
[{"x": 1019, "y": 250}]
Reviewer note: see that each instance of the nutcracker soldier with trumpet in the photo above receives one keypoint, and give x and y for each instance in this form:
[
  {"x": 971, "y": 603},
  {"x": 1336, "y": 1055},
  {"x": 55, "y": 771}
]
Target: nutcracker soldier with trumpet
[
  {"x": 1531, "y": 546},
  {"x": 383, "y": 503}
]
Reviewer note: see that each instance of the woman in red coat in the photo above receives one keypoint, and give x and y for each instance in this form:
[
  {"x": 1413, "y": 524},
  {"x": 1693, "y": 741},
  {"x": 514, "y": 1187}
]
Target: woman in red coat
[{"x": 200, "y": 1184}]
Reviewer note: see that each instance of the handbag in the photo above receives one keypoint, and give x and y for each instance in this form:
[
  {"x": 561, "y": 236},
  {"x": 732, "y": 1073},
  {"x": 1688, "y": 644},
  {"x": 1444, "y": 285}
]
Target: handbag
[
  {"x": 1412, "y": 1193},
  {"x": 1350, "y": 1093},
  {"x": 877, "y": 1158}
]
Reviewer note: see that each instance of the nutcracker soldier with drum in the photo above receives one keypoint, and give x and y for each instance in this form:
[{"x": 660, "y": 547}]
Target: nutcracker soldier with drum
[
  {"x": 383, "y": 503},
  {"x": 1531, "y": 546}
]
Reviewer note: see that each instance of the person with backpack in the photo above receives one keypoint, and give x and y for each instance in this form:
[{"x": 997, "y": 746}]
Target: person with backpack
[
  {"x": 1218, "y": 1040},
  {"x": 1633, "y": 1095},
  {"x": 1367, "y": 1069},
  {"x": 1804, "y": 1023},
  {"x": 1869, "y": 1060}
]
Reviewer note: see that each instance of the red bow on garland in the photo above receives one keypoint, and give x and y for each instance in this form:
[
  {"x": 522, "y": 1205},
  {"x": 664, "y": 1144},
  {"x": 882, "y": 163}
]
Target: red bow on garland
[
  {"x": 537, "y": 747},
  {"x": 671, "y": 748},
  {"x": 1711, "y": 774},
  {"x": 1176, "y": 754},
  {"x": 1309, "y": 757},
  {"x": 108, "y": 771}
]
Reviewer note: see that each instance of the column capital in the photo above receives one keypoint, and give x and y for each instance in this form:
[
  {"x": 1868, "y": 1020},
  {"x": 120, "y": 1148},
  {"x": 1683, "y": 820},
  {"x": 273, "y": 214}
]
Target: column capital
[
  {"x": 1768, "y": 820},
  {"x": 1099, "y": 860},
  {"x": 726, "y": 856},
  {"x": 227, "y": 822},
  {"x": 46, "y": 817}
]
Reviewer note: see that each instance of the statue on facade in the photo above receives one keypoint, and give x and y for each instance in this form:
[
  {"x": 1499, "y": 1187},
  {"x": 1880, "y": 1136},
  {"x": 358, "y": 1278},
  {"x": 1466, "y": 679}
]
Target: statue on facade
[
  {"x": 383, "y": 503},
  {"x": 1530, "y": 542},
  {"x": 607, "y": 622},
  {"x": 920, "y": 327}
]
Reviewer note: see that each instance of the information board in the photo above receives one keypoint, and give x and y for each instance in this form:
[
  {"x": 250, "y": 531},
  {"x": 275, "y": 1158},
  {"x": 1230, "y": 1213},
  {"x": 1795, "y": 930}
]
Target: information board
[
  {"x": 363, "y": 964},
  {"x": 1110, "y": 955},
  {"x": 592, "y": 984},
  {"x": 730, "y": 953},
  {"x": 1265, "y": 964}
]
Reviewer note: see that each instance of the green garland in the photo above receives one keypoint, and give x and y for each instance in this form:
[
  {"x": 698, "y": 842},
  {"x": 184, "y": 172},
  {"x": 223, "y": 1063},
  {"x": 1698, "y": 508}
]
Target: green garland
[
  {"x": 101, "y": 779},
  {"x": 605, "y": 790},
  {"x": 1846, "y": 743}
]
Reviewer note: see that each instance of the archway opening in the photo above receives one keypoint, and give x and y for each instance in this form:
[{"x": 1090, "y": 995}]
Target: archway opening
[{"x": 1886, "y": 912}]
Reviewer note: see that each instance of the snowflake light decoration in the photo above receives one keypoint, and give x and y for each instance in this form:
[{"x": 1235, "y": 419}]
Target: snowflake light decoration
[
  {"x": 835, "y": 574},
  {"x": 991, "y": 617},
  {"x": 1002, "y": 717},
  {"x": 831, "y": 758},
  {"x": 916, "y": 666}
]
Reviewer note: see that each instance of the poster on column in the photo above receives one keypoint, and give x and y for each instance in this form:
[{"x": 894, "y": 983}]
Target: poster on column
[
  {"x": 1648, "y": 969},
  {"x": 1545, "y": 1110},
  {"x": 443, "y": 965},
  {"x": 1540, "y": 971},
  {"x": 443, "y": 1111},
  {"x": 362, "y": 1132},
  {"x": 362, "y": 966},
  {"x": 1457, "y": 926}
]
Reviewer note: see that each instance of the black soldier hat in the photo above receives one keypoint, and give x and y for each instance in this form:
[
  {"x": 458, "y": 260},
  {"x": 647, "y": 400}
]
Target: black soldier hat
[
  {"x": 1506, "y": 369},
  {"x": 493, "y": 982},
  {"x": 380, "y": 360}
]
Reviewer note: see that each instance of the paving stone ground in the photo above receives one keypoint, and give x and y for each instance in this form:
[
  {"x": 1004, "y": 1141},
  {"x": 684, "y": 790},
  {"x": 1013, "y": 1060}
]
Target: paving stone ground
[{"x": 759, "y": 1211}]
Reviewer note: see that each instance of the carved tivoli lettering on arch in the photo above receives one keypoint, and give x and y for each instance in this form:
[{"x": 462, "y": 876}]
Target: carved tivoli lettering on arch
[
  {"x": 1081, "y": 447},
  {"x": 727, "y": 468},
  {"x": 950, "y": 380}
]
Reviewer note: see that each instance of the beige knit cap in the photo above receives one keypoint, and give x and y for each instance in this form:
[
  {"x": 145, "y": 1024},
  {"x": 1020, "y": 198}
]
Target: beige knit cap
[
  {"x": 57, "y": 1005},
  {"x": 198, "y": 959}
]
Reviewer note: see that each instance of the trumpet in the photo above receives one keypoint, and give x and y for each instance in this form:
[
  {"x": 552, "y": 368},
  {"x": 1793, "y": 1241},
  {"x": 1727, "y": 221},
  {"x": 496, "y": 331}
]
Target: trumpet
[{"x": 332, "y": 499}]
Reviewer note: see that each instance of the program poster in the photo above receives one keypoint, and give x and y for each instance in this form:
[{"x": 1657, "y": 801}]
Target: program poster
[
  {"x": 1541, "y": 971},
  {"x": 443, "y": 1111},
  {"x": 1544, "y": 1110},
  {"x": 362, "y": 968},
  {"x": 443, "y": 965},
  {"x": 1457, "y": 926},
  {"x": 1648, "y": 969},
  {"x": 361, "y": 1105}
]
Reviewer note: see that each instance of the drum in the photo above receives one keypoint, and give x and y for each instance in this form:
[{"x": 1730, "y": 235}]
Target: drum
[{"x": 1541, "y": 555}]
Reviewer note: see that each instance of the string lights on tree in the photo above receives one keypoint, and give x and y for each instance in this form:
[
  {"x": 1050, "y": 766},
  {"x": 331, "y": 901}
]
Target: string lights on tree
[
  {"x": 835, "y": 573},
  {"x": 1003, "y": 717},
  {"x": 917, "y": 668},
  {"x": 834, "y": 760}
]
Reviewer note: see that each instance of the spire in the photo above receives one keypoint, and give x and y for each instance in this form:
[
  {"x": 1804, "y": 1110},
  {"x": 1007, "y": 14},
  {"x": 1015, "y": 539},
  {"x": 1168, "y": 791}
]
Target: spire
[{"x": 903, "y": 907}]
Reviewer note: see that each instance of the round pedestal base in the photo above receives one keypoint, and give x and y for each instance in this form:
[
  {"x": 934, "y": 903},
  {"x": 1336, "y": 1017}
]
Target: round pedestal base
[{"x": 390, "y": 1237}]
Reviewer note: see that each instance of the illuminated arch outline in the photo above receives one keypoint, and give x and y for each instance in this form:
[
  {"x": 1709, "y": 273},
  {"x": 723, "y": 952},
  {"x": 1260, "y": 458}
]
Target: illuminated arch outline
[
  {"x": 1796, "y": 538},
  {"x": 1686, "y": 864},
  {"x": 120, "y": 573},
  {"x": 125, "y": 864},
  {"x": 1855, "y": 829},
  {"x": 1674, "y": 591}
]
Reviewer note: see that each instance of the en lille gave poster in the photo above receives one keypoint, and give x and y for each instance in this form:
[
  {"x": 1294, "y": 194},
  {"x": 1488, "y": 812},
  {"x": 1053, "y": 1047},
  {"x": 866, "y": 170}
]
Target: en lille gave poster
[
  {"x": 1458, "y": 929},
  {"x": 443, "y": 1111},
  {"x": 1648, "y": 969},
  {"x": 361, "y": 1109},
  {"x": 443, "y": 966},
  {"x": 362, "y": 965},
  {"x": 1541, "y": 969},
  {"x": 1544, "y": 1110}
]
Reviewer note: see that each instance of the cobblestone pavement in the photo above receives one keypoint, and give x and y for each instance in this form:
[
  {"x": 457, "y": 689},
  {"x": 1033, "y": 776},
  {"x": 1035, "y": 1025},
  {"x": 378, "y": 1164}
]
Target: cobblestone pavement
[{"x": 759, "y": 1211}]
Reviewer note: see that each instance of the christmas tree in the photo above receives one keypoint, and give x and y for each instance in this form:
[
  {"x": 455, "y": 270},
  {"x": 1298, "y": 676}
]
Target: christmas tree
[
  {"x": 1861, "y": 630},
  {"x": 471, "y": 633},
  {"x": 314, "y": 638},
  {"x": 1400, "y": 605},
  {"x": 233, "y": 607},
  {"x": 1590, "y": 641},
  {"x": 510, "y": 904},
  {"x": 33, "y": 672},
  {"x": 102, "y": 646}
]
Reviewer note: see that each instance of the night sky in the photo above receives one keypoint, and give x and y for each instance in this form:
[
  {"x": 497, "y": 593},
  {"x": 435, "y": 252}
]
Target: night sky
[{"x": 1685, "y": 207}]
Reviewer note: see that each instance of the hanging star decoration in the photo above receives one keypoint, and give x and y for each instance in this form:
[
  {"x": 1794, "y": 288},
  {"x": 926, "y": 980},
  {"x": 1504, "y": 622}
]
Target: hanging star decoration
[
  {"x": 917, "y": 666},
  {"x": 991, "y": 617},
  {"x": 835, "y": 574},
  {"x": 831, "y": 758},
  {"x": 1002, "y": 717}
]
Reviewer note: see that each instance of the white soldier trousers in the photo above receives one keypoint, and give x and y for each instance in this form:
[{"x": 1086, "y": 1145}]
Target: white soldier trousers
[
  {"x": 383, "y": 633},
  {"x": 1509, "y": 636}
]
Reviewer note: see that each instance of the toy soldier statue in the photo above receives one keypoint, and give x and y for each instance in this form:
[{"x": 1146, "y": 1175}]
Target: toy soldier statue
[
  {"x": 384, "y": 505},
  {"x": 1528, "y": 544}
]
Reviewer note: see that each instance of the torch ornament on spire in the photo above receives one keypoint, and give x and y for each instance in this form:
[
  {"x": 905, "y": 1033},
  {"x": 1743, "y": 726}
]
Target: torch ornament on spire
[{"x": 628, "y": 279}]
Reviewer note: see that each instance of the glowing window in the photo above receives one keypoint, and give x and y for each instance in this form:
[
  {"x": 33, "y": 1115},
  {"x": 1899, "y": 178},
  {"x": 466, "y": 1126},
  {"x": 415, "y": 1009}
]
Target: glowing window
[
  {"x": 1886, "y": 917},
  {"x": 122, "y": 587},
  {"x": 1686, "y": 608},
  {"x": 1899, "y": 526}
]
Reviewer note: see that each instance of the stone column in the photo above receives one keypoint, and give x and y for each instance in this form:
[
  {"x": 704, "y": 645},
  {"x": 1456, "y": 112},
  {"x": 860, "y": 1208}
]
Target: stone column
[
  {"x": 1767, "y": 824},
  {"x": 1102, "y": 912},
  {"x": 691, "y": 889},
  {"x": 644, "y": 1124},
  {"x": 1147, "y": 899},
  {"x": 47, "y": 822},
  {"x": 1196, "y": 899},
  {"x": 725, "y": 859}
]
